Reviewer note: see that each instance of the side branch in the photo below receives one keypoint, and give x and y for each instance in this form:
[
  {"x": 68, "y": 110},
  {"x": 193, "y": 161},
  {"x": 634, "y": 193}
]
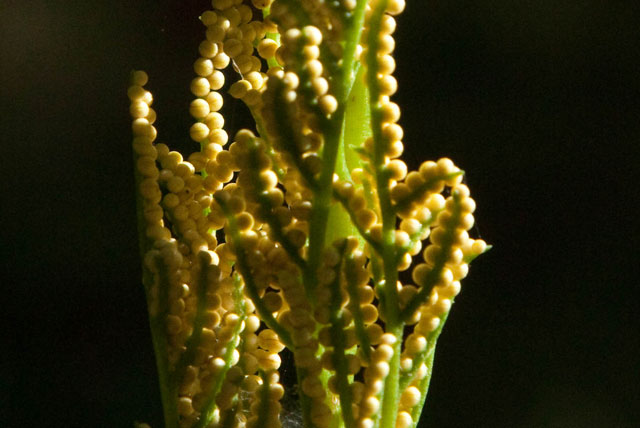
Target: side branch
[
  {"x": 366, "y": 236},
  {"x": 338, "y": 341},
  {"x": 420, "y": 191},
  {"x": 250, "y": 285},
  {"x": 434, "y": 276},
  {"x": 272, "y": 221},
  {"x": 193, "y": 341}
]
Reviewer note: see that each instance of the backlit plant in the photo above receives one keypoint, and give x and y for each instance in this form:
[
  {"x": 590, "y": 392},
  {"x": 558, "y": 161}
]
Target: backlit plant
[{"x": 292, "y": 235}]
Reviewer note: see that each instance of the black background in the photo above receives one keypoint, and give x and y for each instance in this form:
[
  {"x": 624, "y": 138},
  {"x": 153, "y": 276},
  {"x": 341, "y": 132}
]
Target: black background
[{"x": 538, "y": 101}]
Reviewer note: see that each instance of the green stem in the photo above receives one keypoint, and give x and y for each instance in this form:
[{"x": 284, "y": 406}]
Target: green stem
[
  {"x": 471, "y": 257},
  {"x": 390, "y": 306},
  {"x": 334, "y": 139},
  {"x": 338, "y": 341},
  {"x": 424, "y": 356},
  {"x": 390, "y": 309},
  {"x": 354, "y": 307},
  {"x": 352, "y": 33},
  {"x": 322, "y": 200},
  {"x": 304, "y": 400},
  {"x": 157, "y": 321},
  {"x": 263, "y": 412},
  {"x": 358, "y": 121},
  {"x": 391, "y": 391},
  {"x": 168, "y": 389},
  {"x": 424, "y": 383}
]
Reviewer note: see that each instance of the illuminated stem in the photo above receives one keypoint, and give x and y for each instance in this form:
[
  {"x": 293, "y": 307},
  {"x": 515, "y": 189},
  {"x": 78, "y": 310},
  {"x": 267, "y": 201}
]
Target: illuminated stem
[
  {"x": 390, "y": 305},
  {"x": 354, "y": 307},
  {"x": 338, "y": 341},
  {"x": 305, "y": 401},
  {"x": 157, "y": 320},
  {"x": 263, "y": 412},
  {"x": 168, "y": 388},
  {"x": 297, "y": 119},
  {"x": 423, "y": 386},
  {"x": 322, "y": 199},
  {"x": 334, "y": 140},
  {"x": 425, "y": 356}
]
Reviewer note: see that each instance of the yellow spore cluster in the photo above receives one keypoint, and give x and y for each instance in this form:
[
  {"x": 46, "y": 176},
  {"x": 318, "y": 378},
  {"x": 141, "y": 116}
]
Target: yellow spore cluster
[{"x": 236, "y": 266}]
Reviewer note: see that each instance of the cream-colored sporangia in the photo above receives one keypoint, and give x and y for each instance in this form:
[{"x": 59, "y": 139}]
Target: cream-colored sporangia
[{"x": 290, "y": 238}]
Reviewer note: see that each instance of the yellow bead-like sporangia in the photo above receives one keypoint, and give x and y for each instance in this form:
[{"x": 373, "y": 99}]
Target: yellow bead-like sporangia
[{"x": 257, "y": 241}]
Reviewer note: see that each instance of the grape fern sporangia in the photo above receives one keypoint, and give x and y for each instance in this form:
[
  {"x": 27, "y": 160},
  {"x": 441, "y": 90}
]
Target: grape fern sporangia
[{"x": 293, "y": 235}]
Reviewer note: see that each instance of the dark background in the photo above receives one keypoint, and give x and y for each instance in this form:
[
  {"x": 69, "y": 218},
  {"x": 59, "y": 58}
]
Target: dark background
[{"x": 539, "y": 101}]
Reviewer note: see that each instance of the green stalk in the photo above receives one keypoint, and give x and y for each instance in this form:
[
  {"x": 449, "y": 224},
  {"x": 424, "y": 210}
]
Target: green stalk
[
  {"x": 334, "y": 133},
  {"x": 338, "y": 340},
  {"x": 390, "y": 306},
  {"x": 354, "y": 307},
  {"x": 157, "y": 322},
  {"x": 422, "y": 357},
  {"x": 263, "y": 413},
  {"x": 391, "y": 392},
  {"x": 424, "y": 383},
  {"x": 168, "y": 389},
  {"x": 322, "y": 198},
  {"x": 352, "y": 33},
  {"x": 390, "y": 309},
  {"x": 305, "y": 401}
]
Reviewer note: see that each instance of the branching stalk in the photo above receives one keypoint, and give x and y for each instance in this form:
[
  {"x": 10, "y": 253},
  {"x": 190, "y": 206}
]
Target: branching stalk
[{"x": 295, "y": 238}]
